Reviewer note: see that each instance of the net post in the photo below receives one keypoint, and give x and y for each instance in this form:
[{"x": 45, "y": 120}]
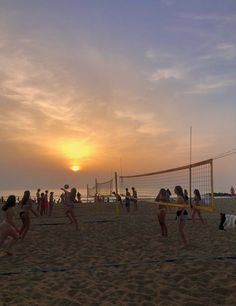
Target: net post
[
  {"x": 190, "y": 185},
  {"x": 96, "y": 190},
  {"x": 87, "y": 192},
  {"x": 190, "y": 169},
  {"x": 212, "y": 187},
  {"x": 116, "y": 183}
]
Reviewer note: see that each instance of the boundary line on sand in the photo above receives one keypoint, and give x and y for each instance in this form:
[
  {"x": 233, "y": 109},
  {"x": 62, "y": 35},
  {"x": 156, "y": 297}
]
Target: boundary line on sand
[{"x": 117, "y": 264}]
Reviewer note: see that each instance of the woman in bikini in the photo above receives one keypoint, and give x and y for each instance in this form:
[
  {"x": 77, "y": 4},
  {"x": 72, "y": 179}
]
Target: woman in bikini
[
  {"x": 70, "y": 200},
  {"x": 181, "y": 213},
  {"x": 196, "y": 202},
  {"x": 8, "y": 227},
  {"x": 161, "y": 214},
  {"x": 26, "y": 208},
  {"x": 51, "y": 203}
]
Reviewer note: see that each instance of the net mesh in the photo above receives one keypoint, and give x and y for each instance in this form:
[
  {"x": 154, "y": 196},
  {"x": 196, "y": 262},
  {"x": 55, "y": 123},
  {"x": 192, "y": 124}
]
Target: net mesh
[
  {"x": 91, "y": 191},
  {"x": 197, "y": 176},
  {"x": 105, "y": 188}
]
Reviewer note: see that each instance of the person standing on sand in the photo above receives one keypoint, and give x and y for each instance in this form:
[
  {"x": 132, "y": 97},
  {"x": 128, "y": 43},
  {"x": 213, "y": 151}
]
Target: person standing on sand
[
  {"x": 8, "y": 227},
  {"x": 161, "y": 214},
  {"x": 65, "y": 200},
  {"x": 186, "y": 196},
  {"x": 127, "y": 199},
  {"x": 46, "y": 201},
  {"x": 51, "y": 203},
  {"x": 38, "y": 199},
  {"x": 232, "y": 191},
  {"x": 78, "y": 196},
  {"x": 70, "y": 199},
  {"x": 118, "y": 198},
  {"x": 181, "y": 213},
  {"x": 26, "y": 208},
  {"x": 196, "y": 202},
  {"x": 42, "y": 204},
  {"x": 134, "y": 198}
]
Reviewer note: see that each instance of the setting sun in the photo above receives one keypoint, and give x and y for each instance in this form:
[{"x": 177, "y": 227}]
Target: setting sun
[
  {"x": 75, "y": 168},
  {"x": 76, "y": 152}
]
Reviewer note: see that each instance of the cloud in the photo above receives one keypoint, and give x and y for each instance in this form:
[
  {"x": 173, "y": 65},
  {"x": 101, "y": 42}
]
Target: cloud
[
  {"x": 146, "y": 122},
  {"x": 221, "y": 52},
  {"x": 160, "y": 56},
  {"x": 227, "y": 50},
  {"x": 229, "y": 18},
  {"x": 211, "y": 85},
  {"x": 165, "y": 74}
]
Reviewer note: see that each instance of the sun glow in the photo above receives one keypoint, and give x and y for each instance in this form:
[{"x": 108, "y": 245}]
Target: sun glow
[
  {"x": 76, "y": 152},
  {"x": 75, "y": 168}
]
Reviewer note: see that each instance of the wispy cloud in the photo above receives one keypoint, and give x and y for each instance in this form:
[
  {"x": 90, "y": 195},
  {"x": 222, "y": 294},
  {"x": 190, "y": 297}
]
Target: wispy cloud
[
  {"x": 223, "y": 51},
  {"x": 211, "y": 85},
  {"x": 210, "y": 17},
  {"x": 165, "y": 74},
  {"x": 168, "y": 2},
  {"x": 146, "y": 122}
]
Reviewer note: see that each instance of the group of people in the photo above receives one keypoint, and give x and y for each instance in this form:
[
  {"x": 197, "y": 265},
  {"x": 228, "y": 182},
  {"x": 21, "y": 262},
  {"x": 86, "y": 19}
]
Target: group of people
[
  {"x": 45, "y": 202},
  {"x": 129, "y": 200},
  {"x": 163, "y": 197},
  {"x": 8, "y": 227},
  {"x": 70, "y": 196}
]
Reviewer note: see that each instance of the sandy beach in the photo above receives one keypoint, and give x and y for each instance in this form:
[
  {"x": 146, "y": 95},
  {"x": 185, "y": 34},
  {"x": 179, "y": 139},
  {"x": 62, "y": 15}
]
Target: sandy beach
[{"x": 121, "y": 260}]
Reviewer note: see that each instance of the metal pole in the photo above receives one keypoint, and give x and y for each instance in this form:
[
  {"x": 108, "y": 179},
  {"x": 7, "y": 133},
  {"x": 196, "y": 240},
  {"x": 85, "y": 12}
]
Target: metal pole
[
  {"x": 116, "y": 185},
  {"x": 190, "y": 168},
  {"x": 96, "y": 190},
  {"x": 87, "y": 192},
  {"x": 212, "y": 189}
]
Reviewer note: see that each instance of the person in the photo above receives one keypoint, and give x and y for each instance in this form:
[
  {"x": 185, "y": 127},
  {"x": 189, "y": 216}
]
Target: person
[
  {"x": 127, "y": 199},
  {"x": 42, "y": 204},
  {"x": 134, "y": 198},
  {"x": 26, "y": 208},
  {"x": 232, "y": 191},
  {"x": 181, "y": 213},
  {"x": 8, "y": 227},
  {"x": 196, "y": 202},
  {"x": 118, "y": 198},
  {"x": 186, "y": 196},
  {"x": 51, "y": 203},
  {"x": 46, "y": 201},
  {"x": 168, "y": 194},
  {"x": 38, "y": 198},
  {"x": 70, "y": 199},
  {"x": 79, "y": 197},
  {"x": 161, "y": 214}
]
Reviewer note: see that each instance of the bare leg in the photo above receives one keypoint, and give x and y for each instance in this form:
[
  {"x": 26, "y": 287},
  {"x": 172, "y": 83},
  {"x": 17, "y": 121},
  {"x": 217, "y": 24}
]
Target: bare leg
[
  {"x": 200, "y": 216},
  {"x": 181, "y": 231},
  {"x": 26, "y": 227},
  {"x": 12, "y": 233},
  {"x": 69, "y": 216},
  {"x": 74, "y": 219}
]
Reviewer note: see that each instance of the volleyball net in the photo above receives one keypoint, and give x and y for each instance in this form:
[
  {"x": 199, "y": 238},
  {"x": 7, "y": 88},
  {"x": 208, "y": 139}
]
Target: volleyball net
[
  {"x": 105, "y": 188},
  {"x": 190, "y": 177},
  {"x": 100, "y": 189},
  {"x": 91, "y": 191}
]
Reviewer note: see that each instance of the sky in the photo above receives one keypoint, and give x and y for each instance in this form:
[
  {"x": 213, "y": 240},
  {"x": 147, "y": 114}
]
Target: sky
[{"x": 115, "y": 86}]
